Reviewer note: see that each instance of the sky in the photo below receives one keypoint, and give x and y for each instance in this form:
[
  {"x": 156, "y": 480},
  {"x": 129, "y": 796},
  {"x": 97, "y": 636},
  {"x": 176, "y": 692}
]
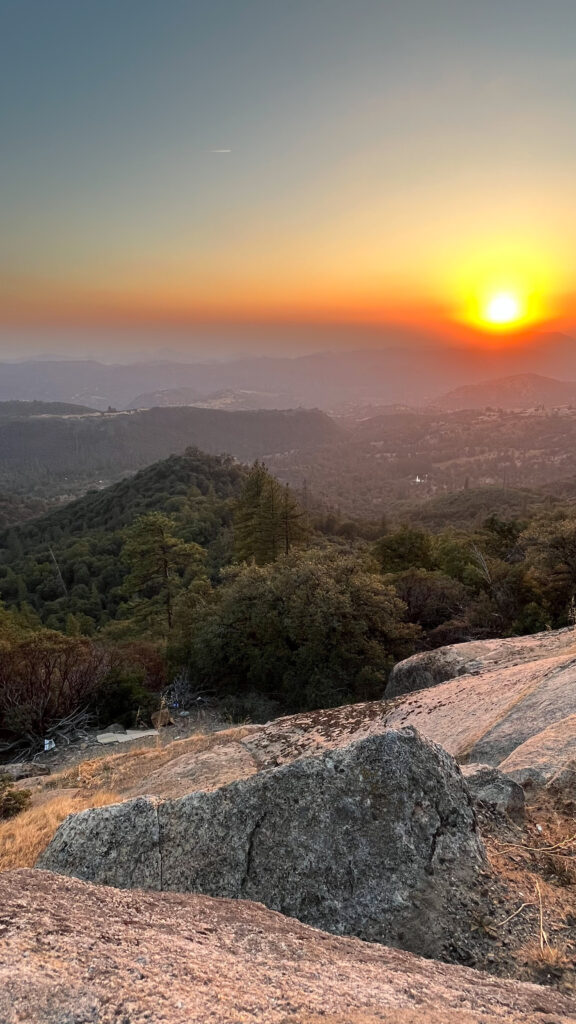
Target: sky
[{"x": 211, "y": 173}]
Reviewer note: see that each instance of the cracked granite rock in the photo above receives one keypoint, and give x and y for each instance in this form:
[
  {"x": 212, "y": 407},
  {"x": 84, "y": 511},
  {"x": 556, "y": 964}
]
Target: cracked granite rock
[{"x": 376, "y": 839}]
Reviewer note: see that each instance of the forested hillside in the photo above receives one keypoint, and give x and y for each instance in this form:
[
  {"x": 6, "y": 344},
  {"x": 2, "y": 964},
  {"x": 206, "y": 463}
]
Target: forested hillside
[
  {"x": 67, "y": 563},
  {"x": 49, "y": 456},
  {"x": 362, "y": 466},
  {"x": 17, "y": 508},
  {"x": 415, "y": 455}
]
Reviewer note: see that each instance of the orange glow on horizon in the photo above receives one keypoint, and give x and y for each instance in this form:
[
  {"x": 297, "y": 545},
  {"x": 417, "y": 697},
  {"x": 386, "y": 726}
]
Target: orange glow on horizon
[{"x": 482, "y": 303}]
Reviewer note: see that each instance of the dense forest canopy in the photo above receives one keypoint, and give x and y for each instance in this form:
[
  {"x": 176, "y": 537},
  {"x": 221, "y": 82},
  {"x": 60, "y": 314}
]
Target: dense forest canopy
[
  {"x": 17, "y": 508},
  {"x": 67, "y": 566}
]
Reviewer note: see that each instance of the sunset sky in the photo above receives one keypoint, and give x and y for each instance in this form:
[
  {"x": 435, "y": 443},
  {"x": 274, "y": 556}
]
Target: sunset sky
[{"x": 178, "y": 163}]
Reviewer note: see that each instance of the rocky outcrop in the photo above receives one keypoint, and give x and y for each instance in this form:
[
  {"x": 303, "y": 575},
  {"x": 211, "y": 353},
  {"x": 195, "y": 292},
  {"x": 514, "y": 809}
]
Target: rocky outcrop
[
  {"x": 432, "y": 667},
  {"x": 422, "y": 671},
  {"x": 376, "y": 839},
  {"x": 490, "y": 788},
  {"x": 72, "y": 952},
  {"x": 511, "y": 704},
  {"x": 515, "y": 710},
  {"x": 546, "y": 759},
  {"x": 520, "y": 717}
]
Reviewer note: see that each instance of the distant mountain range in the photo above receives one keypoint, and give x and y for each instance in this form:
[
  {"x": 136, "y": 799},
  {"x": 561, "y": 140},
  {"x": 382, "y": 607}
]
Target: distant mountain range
[
  {"x": 522, "y": 391},
  {"x": 233, "y": 401},
  {"x": 333, "y": 381}
]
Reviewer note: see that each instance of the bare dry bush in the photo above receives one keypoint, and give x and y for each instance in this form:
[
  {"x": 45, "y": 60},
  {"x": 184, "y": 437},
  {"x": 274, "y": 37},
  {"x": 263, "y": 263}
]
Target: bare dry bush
[{"x": 45, "y": 677}]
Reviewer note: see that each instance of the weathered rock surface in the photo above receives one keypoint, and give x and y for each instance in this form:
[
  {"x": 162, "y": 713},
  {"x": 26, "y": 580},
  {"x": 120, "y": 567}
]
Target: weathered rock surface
[
  {"x": 377, "y": 839},
  {"x": 205, "y": 769},
  {"x": 490, "y": 788},
  {"x": 515, "y": 710},
  {"x": 511, "y": 704},
  {"x": 72, "y": 953},
  {"x": 432, "y": 667},
  {"x": 422, "y": 671},
  {"x": 118, "y": 844},
  {"x": 546, "y": 759}
]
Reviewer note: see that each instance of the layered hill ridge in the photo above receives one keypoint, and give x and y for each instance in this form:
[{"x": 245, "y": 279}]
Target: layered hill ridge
[
  {"x": 382, "y": 372},
  {"x": 520, "y": 391},
  {"x": 60, "y": 451},
  {"x": 232, "y": 399},
  {"x": 19, "y": 410}
]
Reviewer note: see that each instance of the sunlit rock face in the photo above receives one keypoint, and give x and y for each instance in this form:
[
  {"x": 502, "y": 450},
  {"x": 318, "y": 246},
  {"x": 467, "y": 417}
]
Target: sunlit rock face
[{"x": 508, "y": 703}]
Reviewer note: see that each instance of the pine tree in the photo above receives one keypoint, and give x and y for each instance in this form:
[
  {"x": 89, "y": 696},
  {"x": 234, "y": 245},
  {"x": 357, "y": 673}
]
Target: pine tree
[
  {"x": 158, "y": 560},
  {"x": 268, "y": 520},
  {"x": 248, "y": 540},
  {"x": 293, "y": 524}
]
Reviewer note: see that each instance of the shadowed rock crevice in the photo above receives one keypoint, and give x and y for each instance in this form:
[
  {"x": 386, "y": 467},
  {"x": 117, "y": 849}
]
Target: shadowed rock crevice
[
  {"x": 250, "y": 853},
  {"x": 160, "y": 866},
  {"x": 433, "y": 847}
]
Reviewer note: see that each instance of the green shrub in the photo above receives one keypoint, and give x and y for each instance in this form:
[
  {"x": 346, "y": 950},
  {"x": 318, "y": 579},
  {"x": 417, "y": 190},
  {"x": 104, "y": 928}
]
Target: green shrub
[
  {"x": 12, "y": 801},
  {"x": 238, "y": 709},
  {"x": 123, "y": 696}
]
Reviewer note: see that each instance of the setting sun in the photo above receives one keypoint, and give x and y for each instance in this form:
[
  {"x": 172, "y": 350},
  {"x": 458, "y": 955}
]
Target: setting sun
[
  {"x": 503, "y": 309},
  {"x": 505, "y": 286}
]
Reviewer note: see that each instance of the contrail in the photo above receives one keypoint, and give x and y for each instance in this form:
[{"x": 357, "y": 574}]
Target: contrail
[{"x": 220, "y": 151}]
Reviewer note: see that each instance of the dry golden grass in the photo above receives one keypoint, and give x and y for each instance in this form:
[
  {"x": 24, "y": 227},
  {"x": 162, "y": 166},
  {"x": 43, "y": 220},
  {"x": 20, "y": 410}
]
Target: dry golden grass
[
  {"x": 558, "y": 955},
  {"x": 100, "y": 781},
  {"x": 23, "y": 838},
  {"x": 121, "y": 771}
]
